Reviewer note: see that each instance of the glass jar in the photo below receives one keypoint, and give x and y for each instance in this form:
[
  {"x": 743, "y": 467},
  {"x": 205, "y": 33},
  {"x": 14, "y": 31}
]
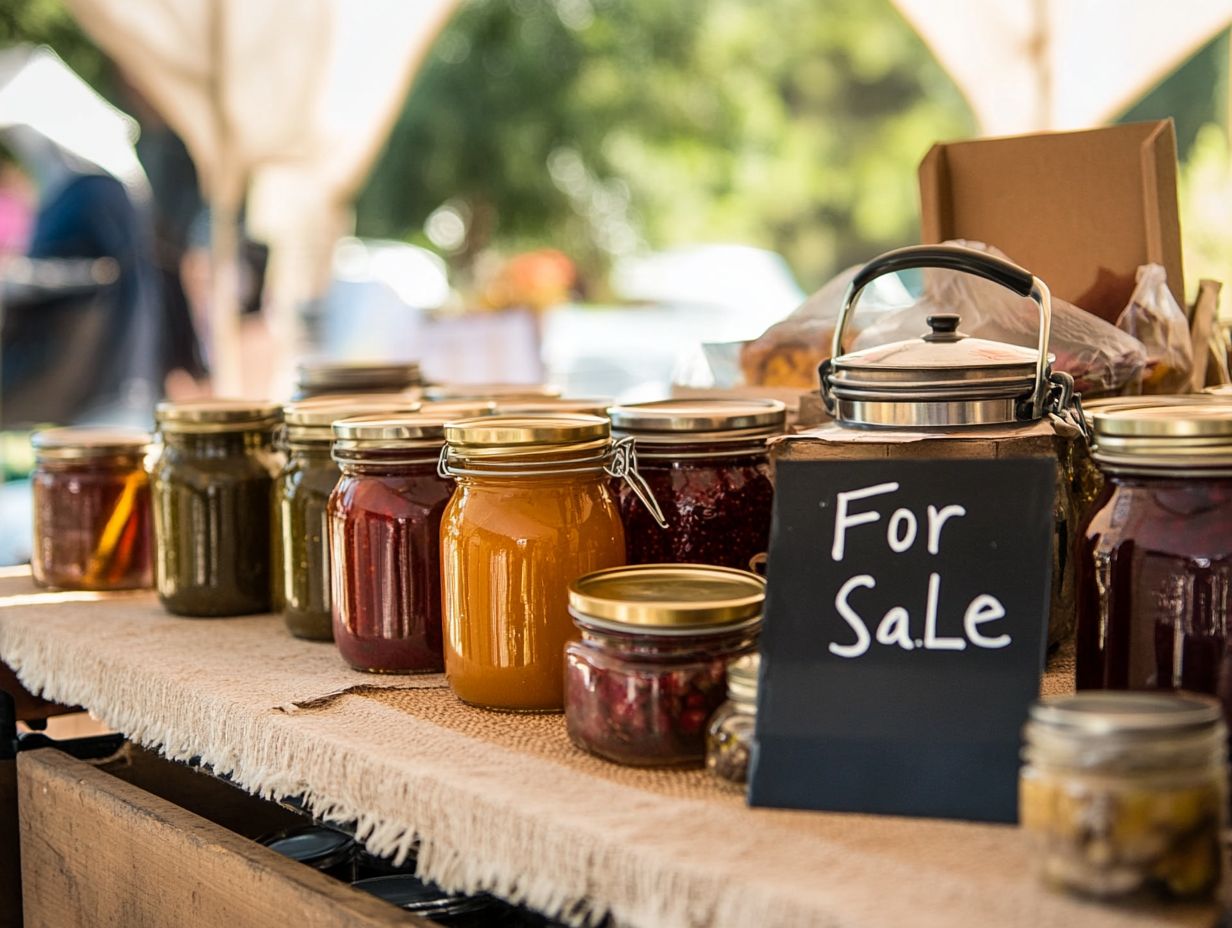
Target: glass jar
[
  {"x": 707, "y": 464},
  {"x": 532, "y": 513},
  {"x": 651, "y": 666},
  {"x": 301, "y": 492},
  {"x": 212, "y": 486},
  {"x": 384, "y": 525},
  {"x": 1124, "y": 792},
  {"x": 323, "y": 377},
  {"x": 92, "y": 523},
  {"x": 1155, "y": 567},
  {"x": 729, "y": 736}
]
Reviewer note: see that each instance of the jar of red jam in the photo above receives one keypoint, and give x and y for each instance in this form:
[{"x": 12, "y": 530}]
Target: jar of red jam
[
  {"x": 707, "y": 464},
  {"x": 92, "y": 522},
  {"x": 651, "y": 666},
  {"x": 384, "y": 528},
  {"x": 1155, "y": 571},
  {"x": 301, "y": 492},
  {"x": 322, "y": 376}
]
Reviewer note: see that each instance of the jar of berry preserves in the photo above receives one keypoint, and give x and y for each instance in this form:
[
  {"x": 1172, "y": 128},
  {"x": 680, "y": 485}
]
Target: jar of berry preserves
[
  {"x": 92, "y": 522},
  {"x": 212, "y": 486},
  {"x": 1155, "y": 568},
  {"x": 651, "y": 666},
  {"x": 706, "y": 462},
  {"x": 384, "y": 526},
  {"x": 321, "y": 377}
]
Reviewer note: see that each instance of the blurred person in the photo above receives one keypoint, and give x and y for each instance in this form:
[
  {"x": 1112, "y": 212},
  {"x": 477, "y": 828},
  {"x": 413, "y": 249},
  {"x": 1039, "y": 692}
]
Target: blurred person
[{"x": 17, "y": 205}]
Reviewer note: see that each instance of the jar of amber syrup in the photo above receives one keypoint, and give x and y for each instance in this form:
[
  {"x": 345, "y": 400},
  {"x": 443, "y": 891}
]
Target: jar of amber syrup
[
  {"x": 384, "y": 525},
  {"x": 92, "y": 523},
  {"x": 534, "y": 511}
]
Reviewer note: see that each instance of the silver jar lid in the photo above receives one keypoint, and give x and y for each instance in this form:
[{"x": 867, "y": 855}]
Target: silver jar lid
[
  {"x": 684, "y": 421},
  {"x": 1165, "y": 439},
  {"x": 1127, "y": 714}
]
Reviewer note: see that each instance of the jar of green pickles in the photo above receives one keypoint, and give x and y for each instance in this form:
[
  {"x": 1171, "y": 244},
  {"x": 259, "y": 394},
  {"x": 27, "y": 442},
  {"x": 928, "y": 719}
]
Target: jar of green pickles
[
  {"x": 212, "y": 485},
  {"x": 301, "y": 492}
]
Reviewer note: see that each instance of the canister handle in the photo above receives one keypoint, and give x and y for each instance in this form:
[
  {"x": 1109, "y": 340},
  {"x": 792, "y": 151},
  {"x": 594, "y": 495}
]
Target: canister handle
[{"x": 953, "y": 258}]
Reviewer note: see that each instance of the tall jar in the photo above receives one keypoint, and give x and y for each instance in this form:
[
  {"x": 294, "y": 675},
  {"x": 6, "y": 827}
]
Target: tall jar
[
  {"x": 1155, "y": 568},
  {"x": 384, "y": 525},
  {"x": 301, "y": 492},
  {"x": 651, "y": 666},
  {"x": 212, "y": 485},
  {"x": 1126, "y": 792},
  {"x": 92, "y": 523},
  {"x": 707, "y": 464},
  {"x": 323, "y": 377},
  {"x": 533, "y": 512}
]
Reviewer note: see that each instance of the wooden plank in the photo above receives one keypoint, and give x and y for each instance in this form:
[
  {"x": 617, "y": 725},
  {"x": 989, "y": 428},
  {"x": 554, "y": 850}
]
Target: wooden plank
[
  {"x": 99, "y": 851},
  {"x": 10, "y": 857}
]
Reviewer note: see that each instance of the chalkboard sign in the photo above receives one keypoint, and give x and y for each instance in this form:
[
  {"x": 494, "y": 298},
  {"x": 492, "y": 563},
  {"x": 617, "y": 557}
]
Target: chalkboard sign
[{"x": 906, "y": 622}]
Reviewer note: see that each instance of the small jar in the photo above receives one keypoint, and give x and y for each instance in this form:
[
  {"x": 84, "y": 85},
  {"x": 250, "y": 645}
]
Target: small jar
[
  {"x": 301, "y": 492},
  {"x": 92, "y": 522},
  {"x": 707, "y": 464},
  {"x": 323, "y": 377},
  {"x": 651, "y": 666},
  {"x": 1126, "y": 792},
  {"x": 533, "y": 512},
  {"x": 212, "y": 486},
  {"x": 384, "y": 525},
  {"x": 729, "y": 736}
]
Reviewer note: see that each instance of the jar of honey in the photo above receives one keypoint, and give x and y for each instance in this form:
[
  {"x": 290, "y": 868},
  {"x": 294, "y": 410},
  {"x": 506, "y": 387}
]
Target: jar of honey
[
  {"x": 92, "y": 524},
  {"x": 533, "y": 511}
]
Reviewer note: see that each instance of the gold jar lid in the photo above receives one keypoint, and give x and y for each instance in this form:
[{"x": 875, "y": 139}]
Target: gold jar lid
[
  {"x": 512, "y": 436},
  {"x": 458, "y": 409},
  {"x": 324, "y": 374},
  {"x": 491, "y": 391},
  {"x": 668, "y": 598},
  {"x": 75, "y": 443},
  {"x": 313, "y": 419},
  {"x": 1171, "y": 439},
  {"x": 217, "y": 416},
  {"x": 561, "y": 406},
  {"x": 383, "y": 432},
  {"x": 699, "y": 421}
]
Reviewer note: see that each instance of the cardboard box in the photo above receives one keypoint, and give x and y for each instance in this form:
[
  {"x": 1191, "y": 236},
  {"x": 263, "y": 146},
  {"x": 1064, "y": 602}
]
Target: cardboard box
[{"x": 1080, "y": 210}]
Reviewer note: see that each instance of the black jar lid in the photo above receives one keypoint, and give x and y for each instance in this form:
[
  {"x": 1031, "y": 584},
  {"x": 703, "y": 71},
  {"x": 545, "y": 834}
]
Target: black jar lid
[
  {"x": 323, "y": 374},
  {"x": 412, "y": 894},
  {"x": 75, "y": 443},
  {"x": 315, "y": 845},
  {"x": 217, "y": 416}
]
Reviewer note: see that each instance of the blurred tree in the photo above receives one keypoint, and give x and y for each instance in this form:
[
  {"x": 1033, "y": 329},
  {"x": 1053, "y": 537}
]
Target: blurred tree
[{"x": 602, "y": 126}]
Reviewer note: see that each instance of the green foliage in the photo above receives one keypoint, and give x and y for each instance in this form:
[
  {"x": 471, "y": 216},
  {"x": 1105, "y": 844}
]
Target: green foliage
[
  {"x": 1206, "y": 211},
  {"x": 47, "y": 22},
  {"x": 601, "y": 126}
]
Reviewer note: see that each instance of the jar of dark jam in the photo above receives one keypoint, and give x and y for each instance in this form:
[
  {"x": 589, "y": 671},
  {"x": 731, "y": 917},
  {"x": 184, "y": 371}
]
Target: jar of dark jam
[
  {"x": 92, "y": 522},
  {"x": 651, "y": 667},
  {"x": 385, "y": 552},
  {"x": 320, "y": 377},
  {"x": 707, "y": 464},
  {"x": 1154, "y": 608},
  {"x": 212, "y": 486},
  {"x": 301, "y": 492}
]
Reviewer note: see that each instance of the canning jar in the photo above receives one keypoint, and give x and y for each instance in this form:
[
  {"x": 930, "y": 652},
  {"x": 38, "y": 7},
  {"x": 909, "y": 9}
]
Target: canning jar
[
  {"x": 1123, "y": 792},
  {"x": 212, "y": 486},
  {"x": 1154, "y": 610},
  {"x": 651, "y": 666},
  {"x": 533, "y": 512},
  {"x": 321, "y": 377},
  {"x": 92, "y": 523},
  {"x": 707, "y": 463},
  {"x": 729, "y": 736},
  {"x": 384, "y": 527},
  {"x": 301, "y": 492}
]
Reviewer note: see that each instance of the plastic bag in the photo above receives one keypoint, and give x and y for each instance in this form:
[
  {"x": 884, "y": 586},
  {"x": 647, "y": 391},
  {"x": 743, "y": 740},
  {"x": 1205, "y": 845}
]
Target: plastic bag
[
  {"x": 1100, "y": 357},
  {"x": 1154, "y": 318},
  {"x": 788, "y": 353}
]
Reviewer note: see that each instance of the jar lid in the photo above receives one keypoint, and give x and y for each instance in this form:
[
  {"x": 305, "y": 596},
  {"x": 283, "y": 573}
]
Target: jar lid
[
  {"x": 1109, "y": 403},
  {"x": 312, "y": 419},
  {"x": 384, "y": 432},
  {"x": 314, "y": 845},
  {"x": 491, "y": 391},
  {"x": 552, "y": 406},
  {"x": 324, "y": 374},
  {"x": 1177, "y": 439},
  {"x": 742, "y": 677},
  {"x": 668, "y": 597},
  {"x": 674, "y": 417},
  {"x": 412, "y": 894},
  {"x": 499, "y": 436},
  {"x": 216, "y": 416},
  {"x": 80, "y": 442},
  {"x": 1128, "y": 714}
]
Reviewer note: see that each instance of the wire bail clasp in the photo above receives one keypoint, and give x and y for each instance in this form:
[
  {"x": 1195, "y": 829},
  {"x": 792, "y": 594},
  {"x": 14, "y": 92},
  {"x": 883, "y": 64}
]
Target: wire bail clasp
[{"x": 622, "y": 464}]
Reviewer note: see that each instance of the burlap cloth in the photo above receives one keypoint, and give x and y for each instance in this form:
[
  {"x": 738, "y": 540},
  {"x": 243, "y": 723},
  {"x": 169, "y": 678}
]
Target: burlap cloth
[{"x": 503, "y": 802}]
